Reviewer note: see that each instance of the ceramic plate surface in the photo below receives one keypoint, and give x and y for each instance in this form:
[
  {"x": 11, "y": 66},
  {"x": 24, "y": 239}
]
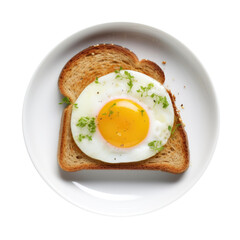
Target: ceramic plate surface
[{"x": 122, "y": 192}]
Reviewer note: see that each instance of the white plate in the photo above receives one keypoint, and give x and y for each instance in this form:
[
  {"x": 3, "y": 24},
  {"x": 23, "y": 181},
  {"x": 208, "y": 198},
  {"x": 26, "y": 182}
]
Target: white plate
[{"x": 120, "y": 192}]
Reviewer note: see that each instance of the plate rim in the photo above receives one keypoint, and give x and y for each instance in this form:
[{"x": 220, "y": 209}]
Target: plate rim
[{"x": 138, "y": 28}]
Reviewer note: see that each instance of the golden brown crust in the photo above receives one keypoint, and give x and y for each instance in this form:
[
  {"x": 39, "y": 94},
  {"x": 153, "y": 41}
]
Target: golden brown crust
[
  {"x": 182, "y": 132},
  {"x": 173, "y": 158},
  {"x": 127, "y": 60}
]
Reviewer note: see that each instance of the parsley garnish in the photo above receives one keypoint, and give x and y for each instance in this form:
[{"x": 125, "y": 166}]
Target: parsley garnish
[
  {"x": 75, "y": 105},
  {"x": 96, "y": 81},
  {"x": 110, "y": 110},
  {"x": 144, "y": 90},
  {"x": 125, "y": 75},
  {"x": 119, "y": 75},
  {"x": 82, "y": 122},
  {"x": 118, "y": 71},
  {"x": 130, "y": 78},
  {"x": 130, "y": 84},
  {"x": 159, "y": 99},
  {"x": 89, "y": 137},
  {"x": 89, "y": 122},
  {"x": 165, "y": 102},
  {"x": 81, "y": 137},
  {"x": 92, "y": 126},
  {"x": 67, "y": 101},
  {"x": 142, "y": 111},
  {"x": 156, "y": 146},
  {"x": 173, "y": 130},
  {"x": 156, "y": 98},
  {"x": 177, "y": 125}
]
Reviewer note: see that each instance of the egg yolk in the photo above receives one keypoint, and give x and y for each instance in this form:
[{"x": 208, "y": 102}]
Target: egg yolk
[{"x": 123, "y": 123}]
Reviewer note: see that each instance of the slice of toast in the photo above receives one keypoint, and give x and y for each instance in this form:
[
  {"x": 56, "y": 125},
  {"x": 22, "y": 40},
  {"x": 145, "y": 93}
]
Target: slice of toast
[{"x": 82, "y": 69}]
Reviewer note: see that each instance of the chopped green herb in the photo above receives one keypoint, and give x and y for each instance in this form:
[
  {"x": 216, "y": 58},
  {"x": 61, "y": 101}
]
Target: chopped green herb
[
  {"x": 104, "y": 114},
  {"x": 92, "y": 125},
  {"x": 159, "y": 99},
  {"x": 125, "y": 75},
  {"x": 110, "y": 113},
  {"x": 144, "y": 90},
  {"x": 82, "y": 122},
  {"x": 142, "y": 111},
  {"x": 89, "y": 137},
  {"x": 118, "y": 71},
  {"x": 156, "y": 98},
  {"x": 89, "y": 122},
  {"x": 119, "y": 75},
  {"x": 75, "y": 105},
  {"x": 165, "y": 102},
  {"x": 114, "y": 104},
  {"x": 130, "y": 78},
  {"x": 96, "y": 81},
  {"x": 156, "y": 146},
  {"x": 81, "y": 137},
  {"x": 110, "y": 110},
  {"x": 173, "y": 130},
  {"x": 130, "y": 84},
  {"x": 177, "y": 125},
  {"x": 65, "y": 100}
]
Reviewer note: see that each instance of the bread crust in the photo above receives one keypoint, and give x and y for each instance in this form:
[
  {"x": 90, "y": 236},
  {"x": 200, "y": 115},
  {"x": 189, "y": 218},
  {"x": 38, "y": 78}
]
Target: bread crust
[
  {"x": 174, "y": 158},
  {"x": 132, "y": 63}
]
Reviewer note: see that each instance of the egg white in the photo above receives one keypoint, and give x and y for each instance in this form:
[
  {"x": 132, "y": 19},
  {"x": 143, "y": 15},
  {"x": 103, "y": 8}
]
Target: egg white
[{"x": 96, "y": 95}]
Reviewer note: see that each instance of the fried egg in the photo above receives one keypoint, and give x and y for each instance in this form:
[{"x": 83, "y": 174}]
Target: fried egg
[{"x": 124, "y": 116}]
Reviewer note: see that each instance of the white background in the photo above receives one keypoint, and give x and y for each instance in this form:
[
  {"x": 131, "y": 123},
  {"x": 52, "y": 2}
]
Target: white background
[{"x": 30, "y": 209}]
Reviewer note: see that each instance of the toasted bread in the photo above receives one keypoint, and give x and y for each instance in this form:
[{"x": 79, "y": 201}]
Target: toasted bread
[{"x": 80, "y": 71}]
